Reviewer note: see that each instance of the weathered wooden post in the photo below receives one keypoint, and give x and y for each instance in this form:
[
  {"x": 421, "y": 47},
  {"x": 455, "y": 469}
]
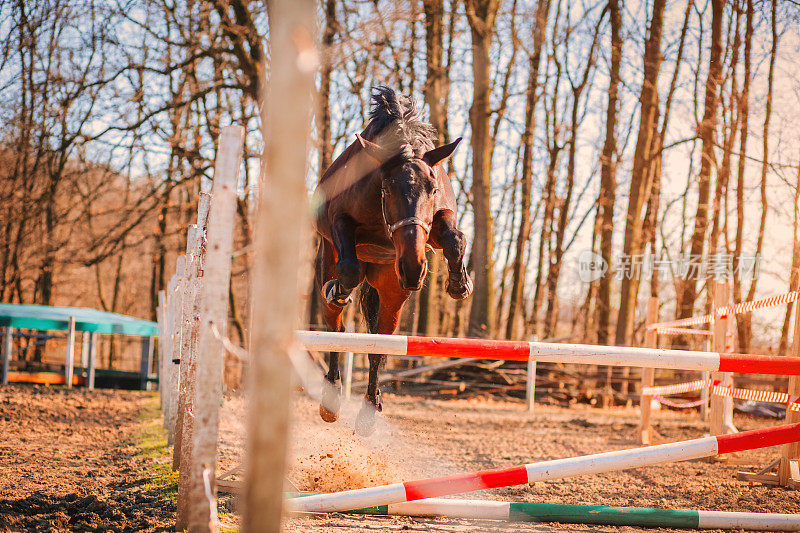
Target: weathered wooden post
[
  {"x": 530, "y": 382},
  {"x": 84, "y": 351},
  {"x": 197, "y": 481},
  {"x": 186, "y": 346},
  {"x": 162, "y": 339},
  {"x": 92, "y": 360},
  {"x": 8, "y": 338},
  {"x": 281, "y": 231},
  {"x": 721, "y": 406},
  {"x": 146, "y": 362},
  {"x": 788, "y": 471},
  {"x": 70, "y": 363},
  {"x": 176, "y": 305},
  {"x": 648, "y": 374}
]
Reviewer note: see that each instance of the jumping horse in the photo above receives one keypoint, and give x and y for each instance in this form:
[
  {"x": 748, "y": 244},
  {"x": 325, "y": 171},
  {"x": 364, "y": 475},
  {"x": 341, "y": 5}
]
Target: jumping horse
[{"x": 381, "y": 204}]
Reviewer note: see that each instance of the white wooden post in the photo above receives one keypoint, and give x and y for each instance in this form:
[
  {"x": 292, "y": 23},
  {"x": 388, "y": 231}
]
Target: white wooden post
[
  {"x": 160, "y": 312},
  {"x": 282, "y": 231},
  {"x": 92, "y": 362},
  {"x": 200, "y": 464},
  {"x": 70, "y": 363},
  {"x": 146, "y": 362},
  {"x": 348, "y": 374},
  {"x": 185, "y": 324},
  {"x": 530, "y": 385},
  {"x": 84, "y": 351},
  {"x": 166, "y": 356},
  {"x": 173, "y": 374},
  {"x": 8, "y": 337},
  {"x": 190, "y": 309},
  {"x": 189, "y": 323}
]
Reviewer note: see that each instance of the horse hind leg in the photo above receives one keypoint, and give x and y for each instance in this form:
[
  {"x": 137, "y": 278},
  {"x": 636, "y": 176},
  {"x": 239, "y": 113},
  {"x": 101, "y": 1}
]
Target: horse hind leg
[{"x": 370, "y": 308}]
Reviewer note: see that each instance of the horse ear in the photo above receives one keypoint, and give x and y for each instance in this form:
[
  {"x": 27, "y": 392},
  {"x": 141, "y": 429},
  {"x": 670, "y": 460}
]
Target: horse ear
[
  {"x": 376, "y": 152},
  {"x": 437, "y": 155}
]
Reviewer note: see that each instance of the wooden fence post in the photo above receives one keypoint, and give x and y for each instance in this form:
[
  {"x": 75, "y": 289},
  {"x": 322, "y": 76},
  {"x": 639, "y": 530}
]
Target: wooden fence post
[
  {"x": 70, "y": 363},
  {"x": 92, "y": 360},
  {"x": 192, "y": 279},
  {"x": 788, "y": 471},
  {"x": 176, "y": 305},
  {"x": 282, "y": 231},
  {"x": 721, "y": 406},
  {"x": 197, "y": 482},
  {"x": 648, "y": 374},
  {"x": 146, "y": 362},
  {"x": 8, "y": 344},
  {"x": 162, "y": 328},
  {"x": 185, "y": 348}
]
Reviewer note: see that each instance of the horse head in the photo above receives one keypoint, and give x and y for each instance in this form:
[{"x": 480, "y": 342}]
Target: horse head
[{"x": 409, "y": 189}]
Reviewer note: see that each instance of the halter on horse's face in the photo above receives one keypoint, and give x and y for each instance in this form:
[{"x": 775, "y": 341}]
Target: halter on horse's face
[{"x": 409, "y": 189}]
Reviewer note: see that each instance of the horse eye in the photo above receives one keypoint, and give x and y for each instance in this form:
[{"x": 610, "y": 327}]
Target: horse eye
[{"x": 435, "y": 190}]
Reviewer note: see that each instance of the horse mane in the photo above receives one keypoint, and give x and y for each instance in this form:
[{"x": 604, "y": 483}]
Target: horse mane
[{"x": 396, "y": 123}]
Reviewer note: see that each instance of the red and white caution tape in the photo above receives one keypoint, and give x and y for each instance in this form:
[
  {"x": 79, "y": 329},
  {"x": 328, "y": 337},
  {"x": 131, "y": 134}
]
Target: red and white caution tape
[
  {"x": 678, "y": 405},
  {"x": 725, "y": 310},
  {"x": 682, "y": 331},
  {"x": 546, "y": 470},
  {"x": 793, "y": 402},
  {"x": 678, "y": 388}
]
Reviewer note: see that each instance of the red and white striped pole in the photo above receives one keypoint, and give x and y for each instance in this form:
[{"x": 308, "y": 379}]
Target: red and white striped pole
[
  {"x": 548, "y": 352},
  {"x": 542, "y": 471}
]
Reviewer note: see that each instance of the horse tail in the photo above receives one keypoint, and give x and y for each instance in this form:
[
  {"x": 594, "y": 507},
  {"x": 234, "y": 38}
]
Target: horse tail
[{"x": 370, "y": 301}]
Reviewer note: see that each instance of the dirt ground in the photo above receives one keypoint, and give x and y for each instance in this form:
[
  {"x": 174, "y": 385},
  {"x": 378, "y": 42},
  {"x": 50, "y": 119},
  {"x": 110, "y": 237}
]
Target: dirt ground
[
  {"x": 80, "y": 461},
  {"x": 73, "y": 460}
]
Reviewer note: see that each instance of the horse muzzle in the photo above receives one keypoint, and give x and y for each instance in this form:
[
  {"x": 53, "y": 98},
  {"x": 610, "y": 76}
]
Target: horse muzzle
[{"x": 411, "y": 274}]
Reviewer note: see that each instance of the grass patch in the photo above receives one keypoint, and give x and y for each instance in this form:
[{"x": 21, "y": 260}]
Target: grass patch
[{"x": 151, "y": 443}]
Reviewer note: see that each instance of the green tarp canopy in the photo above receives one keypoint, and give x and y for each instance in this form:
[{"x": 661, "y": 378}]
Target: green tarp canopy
[{"x": 43, "y": 317}]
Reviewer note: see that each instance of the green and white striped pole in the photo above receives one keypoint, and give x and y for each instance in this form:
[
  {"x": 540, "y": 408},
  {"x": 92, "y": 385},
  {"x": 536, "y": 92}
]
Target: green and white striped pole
[{"x": 588, "y": 514}]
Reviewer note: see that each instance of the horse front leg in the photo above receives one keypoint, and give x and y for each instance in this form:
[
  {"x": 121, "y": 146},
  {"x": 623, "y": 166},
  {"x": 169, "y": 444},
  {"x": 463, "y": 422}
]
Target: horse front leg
[
  {"x": 348, "y": 269},
  {"x": 446, "y": 235},
  {"x": 330, "y": 400}
]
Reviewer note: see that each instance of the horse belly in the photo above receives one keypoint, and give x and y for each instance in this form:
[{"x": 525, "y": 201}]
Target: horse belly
[{"x": 375, "y": 253}]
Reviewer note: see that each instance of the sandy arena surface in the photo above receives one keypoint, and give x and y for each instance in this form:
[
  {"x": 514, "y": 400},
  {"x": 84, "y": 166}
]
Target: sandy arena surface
[
  {"x": 422, "y": 438},
  {"x": 75, "y": 461}
]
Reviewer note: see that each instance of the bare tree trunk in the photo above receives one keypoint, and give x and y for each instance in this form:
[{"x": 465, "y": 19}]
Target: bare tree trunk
[
  {"x": 608, "y": 176},
  {"x": 687, "y": 296},
  {"x": 794, "y": 277},
  {"x": 481, "y": 15},
  {"x": 427, "y": 323},
  {"x": 526, "y": 179},
  {"x": 744, "y": 114},
  {"x": 554, "y": 272},
  {"x": 653, "y": 204},
  {"x": 745, "y": 329},
  {"x": 648, "y": 125}
]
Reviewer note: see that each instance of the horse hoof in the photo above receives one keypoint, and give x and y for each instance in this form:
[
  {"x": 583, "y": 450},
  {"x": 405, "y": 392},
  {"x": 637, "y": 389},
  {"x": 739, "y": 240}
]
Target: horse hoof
[
  {"x": 328, "y": 416},
  {"x": 461, "y": 289},
  {"x": 331, "y": 401},
  {"x": 365, "y": 421},
  {"x": 334, "y": 294}
]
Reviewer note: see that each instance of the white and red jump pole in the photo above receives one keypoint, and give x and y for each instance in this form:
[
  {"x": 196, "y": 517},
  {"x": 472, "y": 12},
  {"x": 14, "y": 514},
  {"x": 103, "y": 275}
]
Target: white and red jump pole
[
  {"x": 548, "y": 352},
  {"x": 546, "y": 470}
]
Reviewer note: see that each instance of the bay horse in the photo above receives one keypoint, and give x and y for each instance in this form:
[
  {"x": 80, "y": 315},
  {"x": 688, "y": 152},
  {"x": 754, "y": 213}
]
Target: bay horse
[{"x": 381, "y": 204}]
